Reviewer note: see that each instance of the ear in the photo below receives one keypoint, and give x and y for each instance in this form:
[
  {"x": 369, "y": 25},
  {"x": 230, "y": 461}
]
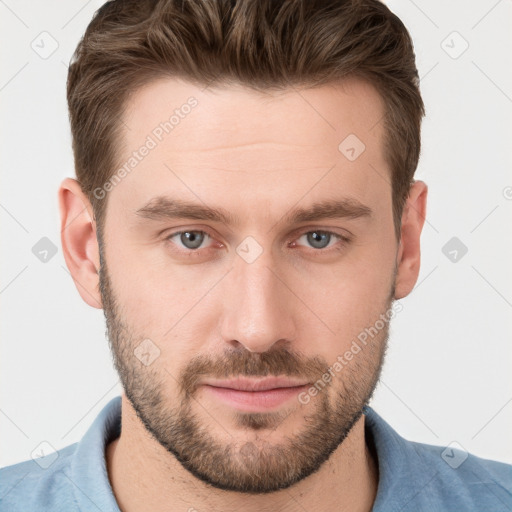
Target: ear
[
  {"x": 408, "y": 257},
  {"x": 79, "y": 242}
]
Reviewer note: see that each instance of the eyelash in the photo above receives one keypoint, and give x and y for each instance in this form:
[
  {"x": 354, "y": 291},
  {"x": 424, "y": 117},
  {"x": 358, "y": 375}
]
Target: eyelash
[{"x": 193, "y": 252}]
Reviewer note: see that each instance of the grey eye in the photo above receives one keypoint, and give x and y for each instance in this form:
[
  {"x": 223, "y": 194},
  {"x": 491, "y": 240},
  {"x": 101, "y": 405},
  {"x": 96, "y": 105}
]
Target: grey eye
[
  {"x": 192, "y": 239},
  {"x": 318, "y": 239}
]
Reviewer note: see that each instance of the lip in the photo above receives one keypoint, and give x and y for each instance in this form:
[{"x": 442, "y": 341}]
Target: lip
[
  {"x": 247, "y": 384},
  {"x": 255, "y": 395}
]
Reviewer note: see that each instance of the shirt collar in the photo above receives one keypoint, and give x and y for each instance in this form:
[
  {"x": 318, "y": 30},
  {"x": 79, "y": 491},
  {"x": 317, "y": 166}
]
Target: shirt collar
[
  {"x": 403, "y": 472},
  {"x": 89, "y": 468}
]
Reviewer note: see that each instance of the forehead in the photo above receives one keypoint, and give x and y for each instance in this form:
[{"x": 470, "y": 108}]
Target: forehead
[
  {"x": 255, "y": 142},
  {"x": 233, "y": 115}
]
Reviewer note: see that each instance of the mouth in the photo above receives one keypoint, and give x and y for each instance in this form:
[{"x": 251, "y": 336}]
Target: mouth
[{"x": 255, "y": 395}]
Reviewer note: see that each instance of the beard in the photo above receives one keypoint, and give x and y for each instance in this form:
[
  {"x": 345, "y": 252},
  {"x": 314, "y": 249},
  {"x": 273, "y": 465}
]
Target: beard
[{"x": 248, "y": 463}]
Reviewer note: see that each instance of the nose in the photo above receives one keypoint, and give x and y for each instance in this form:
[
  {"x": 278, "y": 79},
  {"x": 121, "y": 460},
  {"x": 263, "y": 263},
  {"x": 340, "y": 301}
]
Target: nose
[{"x": 258, "y": 310}]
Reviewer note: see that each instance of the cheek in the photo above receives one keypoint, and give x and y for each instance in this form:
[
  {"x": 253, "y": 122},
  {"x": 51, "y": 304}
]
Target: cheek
[
  {"x": 166, "y": 303},
  {"x": 350, "y": 295}
]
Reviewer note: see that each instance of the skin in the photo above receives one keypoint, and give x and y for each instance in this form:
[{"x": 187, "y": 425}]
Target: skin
[{"x": 308, "y": 304}]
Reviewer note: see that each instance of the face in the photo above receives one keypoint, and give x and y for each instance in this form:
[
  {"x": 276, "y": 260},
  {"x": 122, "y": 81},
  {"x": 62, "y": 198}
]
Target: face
[{"x": 244, "y": 244}]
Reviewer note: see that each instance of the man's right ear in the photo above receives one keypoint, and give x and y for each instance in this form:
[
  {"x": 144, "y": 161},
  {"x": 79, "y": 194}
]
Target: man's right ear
[{"x": 79, "y": 241}]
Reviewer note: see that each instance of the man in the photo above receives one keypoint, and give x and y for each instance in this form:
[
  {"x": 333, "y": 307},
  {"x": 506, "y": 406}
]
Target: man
[{"x": 246, "y": 215}]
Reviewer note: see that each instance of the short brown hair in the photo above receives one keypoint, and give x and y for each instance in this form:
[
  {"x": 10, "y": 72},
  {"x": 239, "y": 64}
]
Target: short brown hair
[{"x": 261, "y": 44}]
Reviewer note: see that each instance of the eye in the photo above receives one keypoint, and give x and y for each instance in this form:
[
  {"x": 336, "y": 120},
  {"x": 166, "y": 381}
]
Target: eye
[
  {"x": 191, "y": 240},
  {"x": 322, "y": 239}
]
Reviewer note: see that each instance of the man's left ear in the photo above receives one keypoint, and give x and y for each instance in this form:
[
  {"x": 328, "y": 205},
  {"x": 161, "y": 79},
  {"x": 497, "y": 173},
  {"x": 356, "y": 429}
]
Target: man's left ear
[{"x": 408, "y": 257}]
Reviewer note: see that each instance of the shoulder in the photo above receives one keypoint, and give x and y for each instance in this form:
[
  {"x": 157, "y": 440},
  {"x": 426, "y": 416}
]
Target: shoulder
[
  {"x": 421, "y": 477},
  {"x": 464, "y": 479},
  {"x": 41, "y": 484},
  {"x": 72, "y": 479}
]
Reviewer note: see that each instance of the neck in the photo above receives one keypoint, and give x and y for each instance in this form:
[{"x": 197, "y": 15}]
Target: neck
[{"x": 144, "y": 476}]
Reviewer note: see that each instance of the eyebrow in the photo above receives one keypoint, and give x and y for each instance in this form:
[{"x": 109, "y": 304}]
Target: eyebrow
[{"x": 165, "y": 208}]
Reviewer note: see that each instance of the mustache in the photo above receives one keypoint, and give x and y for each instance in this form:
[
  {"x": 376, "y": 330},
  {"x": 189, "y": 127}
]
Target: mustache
[{"x": 243, "y": 363}]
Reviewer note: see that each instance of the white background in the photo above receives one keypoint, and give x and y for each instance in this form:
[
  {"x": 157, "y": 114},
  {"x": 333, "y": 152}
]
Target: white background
[{"x": 447, "y": 376}]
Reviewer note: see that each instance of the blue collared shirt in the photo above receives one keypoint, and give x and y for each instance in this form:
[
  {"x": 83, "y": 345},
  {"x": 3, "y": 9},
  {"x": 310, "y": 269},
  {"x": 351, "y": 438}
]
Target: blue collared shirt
[{"x": 412, "y": 476}]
